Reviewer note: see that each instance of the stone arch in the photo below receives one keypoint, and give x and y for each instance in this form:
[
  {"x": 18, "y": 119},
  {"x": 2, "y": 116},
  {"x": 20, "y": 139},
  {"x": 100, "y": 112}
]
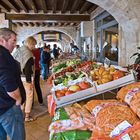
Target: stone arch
[
  {"x": 126, "y": 12},
  {"x": 29, "y": 31}
]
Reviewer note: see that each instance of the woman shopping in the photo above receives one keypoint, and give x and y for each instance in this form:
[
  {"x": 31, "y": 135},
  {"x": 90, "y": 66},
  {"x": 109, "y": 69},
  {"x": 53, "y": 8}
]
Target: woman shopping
[{"x": 25, "y": 56}]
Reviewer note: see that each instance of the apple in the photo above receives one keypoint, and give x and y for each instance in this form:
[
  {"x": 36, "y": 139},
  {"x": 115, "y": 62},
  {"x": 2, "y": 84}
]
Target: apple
[{"x": 74, "y": 88}]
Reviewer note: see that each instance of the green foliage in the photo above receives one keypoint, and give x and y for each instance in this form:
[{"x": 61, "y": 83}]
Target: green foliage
[
  {"x": 72, "y": 135},
  {"x": 60, "y": 114},
  {"x": 60, "y": 66}
]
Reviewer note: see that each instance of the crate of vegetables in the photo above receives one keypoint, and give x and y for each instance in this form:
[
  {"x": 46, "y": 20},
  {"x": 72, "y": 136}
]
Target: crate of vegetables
[
  {"x": 75, "y": 91},
  {"x": 111, "y": 78},
  {"x": 67, "y": 78}
]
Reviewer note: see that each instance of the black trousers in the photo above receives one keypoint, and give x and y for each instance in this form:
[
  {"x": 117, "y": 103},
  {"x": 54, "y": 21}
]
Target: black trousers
[{"x": 37, "y": 86}]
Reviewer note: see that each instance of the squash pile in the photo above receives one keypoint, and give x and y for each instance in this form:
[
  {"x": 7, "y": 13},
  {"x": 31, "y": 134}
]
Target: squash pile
[{"x": 103, "y": 75}]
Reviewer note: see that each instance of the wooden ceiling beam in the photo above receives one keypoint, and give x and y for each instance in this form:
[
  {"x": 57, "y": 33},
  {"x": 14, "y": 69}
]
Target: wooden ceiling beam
[
  {"x": 65, "y": 5},
  {"x": 75, "y": 5},
  {"x": 65, "y": 24},
  {"x": 20, "y": 3},
  {"x": 71, "y": 24},
  {"x": 33, "y": 6},
  {"x": 54, "y": 5},
  {"x": 11, "y": 5},
  {"x": 19, "y": 24},
  {"x": 37, "y": 24},
  {"x": 48, "y": 17},
  {"x": 77, "y": 24},
  {"x": 83, "y": 8},
  {"x": 14, "y": 24},
  {"x": 43, "y": 3},
  {"x": 2, "y": 6},
  {"x": 43, "y": 24},
  {"x": 93, "y": 7},
  {"x": 31, "y": 24},
  {"x": 49, "y": 24},
  {"x": 25, "y": 23}
]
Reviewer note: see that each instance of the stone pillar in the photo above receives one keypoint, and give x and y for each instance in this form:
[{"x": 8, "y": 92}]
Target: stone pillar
[
  {"x": 93, "y": 41},
  {"x": 3, "y": 22},
  {"x": 78, "y": 39},
  {"x": 122, "y": 49}
]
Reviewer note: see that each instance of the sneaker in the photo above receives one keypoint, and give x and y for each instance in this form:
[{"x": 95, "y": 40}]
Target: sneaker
[{"x": 29, "y": 119}]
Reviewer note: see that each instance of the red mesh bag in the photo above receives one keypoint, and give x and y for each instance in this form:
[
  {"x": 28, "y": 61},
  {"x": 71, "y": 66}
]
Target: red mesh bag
[{"x": 131, "y": 95}]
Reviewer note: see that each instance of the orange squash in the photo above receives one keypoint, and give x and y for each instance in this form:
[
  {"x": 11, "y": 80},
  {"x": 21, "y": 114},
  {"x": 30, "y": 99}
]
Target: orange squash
[{"x": 102, "y": 76}]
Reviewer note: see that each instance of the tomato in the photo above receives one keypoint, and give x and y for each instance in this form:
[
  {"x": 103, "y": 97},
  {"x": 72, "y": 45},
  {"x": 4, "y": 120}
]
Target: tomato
[
  {"x": 69, "y": 92},
  {"x": 118, "y": 74},
  {"x": 84, "y": 85},
  {"x": 59, "y": 93}
]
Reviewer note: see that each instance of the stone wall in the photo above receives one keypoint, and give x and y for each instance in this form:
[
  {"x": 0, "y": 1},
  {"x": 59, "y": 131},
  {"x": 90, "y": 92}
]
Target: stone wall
[
  {"x": 24, "y": 32},
  {"x": 126, "y": 12},
  {"x": 3, "y": 23}
]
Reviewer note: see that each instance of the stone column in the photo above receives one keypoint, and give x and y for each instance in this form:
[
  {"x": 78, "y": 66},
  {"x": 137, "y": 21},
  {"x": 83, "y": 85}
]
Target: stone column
[
  {"x": 93, "y": 41},
  {"x": 122, "y": 48},
  {"x": 78, "y": 40},
  {"x": 3, "y": 22}
]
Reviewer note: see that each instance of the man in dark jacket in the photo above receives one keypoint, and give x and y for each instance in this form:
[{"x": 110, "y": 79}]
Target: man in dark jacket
[
  {"x": 11, "y": 117},
  {"x": 44, "y": 62},
  {"x": 55, "y": 51}
]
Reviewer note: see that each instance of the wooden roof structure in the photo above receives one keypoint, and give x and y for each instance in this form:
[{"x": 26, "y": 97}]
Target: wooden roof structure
[{"x": 49, "y": 13}]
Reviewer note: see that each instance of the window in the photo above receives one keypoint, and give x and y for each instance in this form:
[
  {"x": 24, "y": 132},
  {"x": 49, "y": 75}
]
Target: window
[{"x": 106, "y": 38}]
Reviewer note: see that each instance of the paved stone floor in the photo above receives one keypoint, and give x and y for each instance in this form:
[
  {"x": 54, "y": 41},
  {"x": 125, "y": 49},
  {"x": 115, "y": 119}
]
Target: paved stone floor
[{"x": 38, "y": 129}]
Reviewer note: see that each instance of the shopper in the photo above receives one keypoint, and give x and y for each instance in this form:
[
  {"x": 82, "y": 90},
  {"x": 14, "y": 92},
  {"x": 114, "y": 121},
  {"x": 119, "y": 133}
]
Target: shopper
[
  {"x": 36, "y": 53},
  {"x": 55, "y": 51},
  {"x": 45, "y": 62},
  {"x": 11, "y": 117},
  {"x": 25, "y": 56}
]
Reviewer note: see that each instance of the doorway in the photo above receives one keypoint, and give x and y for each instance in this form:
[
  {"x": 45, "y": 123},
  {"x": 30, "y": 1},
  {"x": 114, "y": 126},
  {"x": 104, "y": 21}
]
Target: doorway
[{"x": 106, "y": 38}]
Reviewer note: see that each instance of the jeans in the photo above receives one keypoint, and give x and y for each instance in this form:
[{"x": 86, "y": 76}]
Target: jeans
[
  {"x": 12, "y": 124},
  {"x": 44, "y": 71}
]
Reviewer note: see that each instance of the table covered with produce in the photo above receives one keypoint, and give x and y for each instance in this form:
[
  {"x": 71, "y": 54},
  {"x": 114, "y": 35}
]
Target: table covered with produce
[{"x": 112, "y": 119}]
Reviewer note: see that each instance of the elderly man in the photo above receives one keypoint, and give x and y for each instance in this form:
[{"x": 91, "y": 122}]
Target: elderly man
[{"x": 11, "y": 90}]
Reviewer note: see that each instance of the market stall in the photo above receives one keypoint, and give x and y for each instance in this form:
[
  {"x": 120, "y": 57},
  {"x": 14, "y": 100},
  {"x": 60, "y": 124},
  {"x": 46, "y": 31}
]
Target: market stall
[{"x": 74, "y": 81}]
